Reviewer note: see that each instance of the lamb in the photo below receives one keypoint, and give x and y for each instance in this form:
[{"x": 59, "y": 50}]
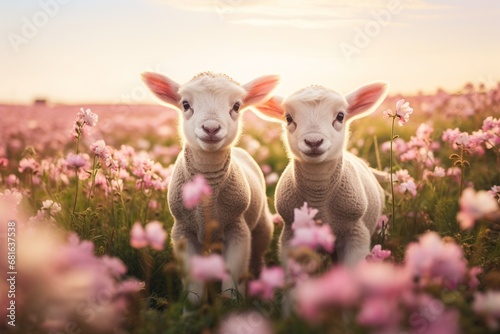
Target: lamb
[
  {"x": 322, "y": 172},
  {"x": 211, "y": 105}
]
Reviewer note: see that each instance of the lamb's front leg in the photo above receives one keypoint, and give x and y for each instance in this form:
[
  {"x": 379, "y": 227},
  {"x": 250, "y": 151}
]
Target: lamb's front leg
[
  {"x": 353, "y": 243},
  {"x": 185, "y": 248},
  {"x": 237, "y": 256}
]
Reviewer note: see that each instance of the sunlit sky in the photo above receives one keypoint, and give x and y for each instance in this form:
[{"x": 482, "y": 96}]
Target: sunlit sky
[{"x": 76, "y": 51}]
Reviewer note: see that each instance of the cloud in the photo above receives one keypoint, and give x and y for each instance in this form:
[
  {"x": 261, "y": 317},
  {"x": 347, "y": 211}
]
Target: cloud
[{"x": 312, "y": 14}]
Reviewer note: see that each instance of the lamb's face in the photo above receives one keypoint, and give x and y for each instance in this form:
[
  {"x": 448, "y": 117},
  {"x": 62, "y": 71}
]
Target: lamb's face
[
  {"x": 211, "y": 108},
  {"x": 315, "y": 124}
]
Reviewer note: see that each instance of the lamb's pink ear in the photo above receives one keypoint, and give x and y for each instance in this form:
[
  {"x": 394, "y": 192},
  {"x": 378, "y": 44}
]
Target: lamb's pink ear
[
  {"x": 364, "y": 100},
  {"x": 272, "y": 109},
  {"x": 164, "y": 88},
  {"x": 260, "y": 89}
]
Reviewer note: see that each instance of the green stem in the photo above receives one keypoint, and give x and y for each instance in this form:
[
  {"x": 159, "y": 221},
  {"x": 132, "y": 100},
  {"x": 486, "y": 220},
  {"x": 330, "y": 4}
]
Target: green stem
[
  {"x": 92, "y": 185},
  {"x": 76, "y": 195},
  {"x": 392, "y": 181}
]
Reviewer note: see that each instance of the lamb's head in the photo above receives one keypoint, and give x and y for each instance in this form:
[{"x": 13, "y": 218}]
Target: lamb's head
[
  {"x": 316, "y": 119},
  {"x": 211, "y": 105}
]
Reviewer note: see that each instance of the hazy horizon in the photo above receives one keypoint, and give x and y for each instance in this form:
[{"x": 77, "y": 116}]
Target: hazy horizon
[{"x": 71, "y": 52}]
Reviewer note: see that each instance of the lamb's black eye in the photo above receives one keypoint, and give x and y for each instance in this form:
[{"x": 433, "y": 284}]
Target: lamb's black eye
[
  {"x": 236, "y": 106},
  {"x": 340, "y": 117},
  {"x": 185, "y": 105},
  {"x": 289, "y": 119}
]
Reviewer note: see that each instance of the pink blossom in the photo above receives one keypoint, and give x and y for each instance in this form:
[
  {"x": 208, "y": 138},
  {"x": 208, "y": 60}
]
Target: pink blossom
[
  {"x": 403, "y": 111},
  {"x": 383, "y": 279},
  {"x": 153, "y": 235},
  {"x": 335, "y": 288},
  {"x": 314, "y": 237},
  {"x": 28, "y": 164},
  {"x": 194, "y": 191},
  {"x": 473, "y": 280},
  {"x": 439, "y": 172},
  {"x": 380, "y": 313},
  {"x": 407, "y": 186},
  {"x": 379, "y": 254},
  {"x": 87, "y": 117},
  {"x": 270, "y": 279},
  {"x": 432, "y": 260},
  {"x": 208, "y": 268},
  {"x": 382, "y": 222},
  {"x": 76, "y": 161},
  {"x": 252, "y": 322},
  {"x": 474, "y": 206},
  {"x": 4, "y": 162},
  {"x": 488, "y": 305},
  {"x": 462, "y": 139},
  {"x": 445, "y": 322},
  {"x": 11, "y": 181},
  {"x": 100, "y": 150},
  {"x": 11, "y": 197},
  {"x": 51, "y": 207},
  {"x": 304, "y": 217}
]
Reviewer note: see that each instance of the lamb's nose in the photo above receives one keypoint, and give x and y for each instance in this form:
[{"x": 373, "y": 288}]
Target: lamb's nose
[
  {"x": 211, "y": 130},
  {"x": 313, "y": 144}
]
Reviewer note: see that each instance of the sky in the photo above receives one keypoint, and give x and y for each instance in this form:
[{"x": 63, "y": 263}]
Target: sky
[{"x": 93, "y": 51}]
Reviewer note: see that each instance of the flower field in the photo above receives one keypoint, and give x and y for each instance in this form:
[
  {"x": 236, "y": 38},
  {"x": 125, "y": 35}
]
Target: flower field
[{"x": 85, "y": 226}]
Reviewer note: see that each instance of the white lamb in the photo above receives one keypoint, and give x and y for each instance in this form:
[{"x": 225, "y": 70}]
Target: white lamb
[
  {"x": 321, "y": 172},
  {"x": 211, "y": 105}
]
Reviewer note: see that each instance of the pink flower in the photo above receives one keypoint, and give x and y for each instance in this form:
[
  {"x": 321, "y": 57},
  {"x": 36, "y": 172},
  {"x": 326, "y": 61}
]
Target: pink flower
[
  {"x": 335, "y": 288},
  {"x": 208, "y": 268},
  {"x": 381, "y": 313},
  {"x": 314, "y": 237},
  {"x": 488, "y": 305},
  {"x": 303, "y": 217},
  {"x": 153, "y": 235},
  {"x": 474, "y": 206},
  {"x": 270, "y": 279},
  {"x": 100, "y": 150},
  {"x": 194, "y": 191},
  {"x": 28, "y": 164},
  {"x": 379, "y": 254},
  {"x": 407, "y": 186},
  {"x": 382, "y": 222},
  {"x": 403, "y": 111},
  {"x": 76, "y": 161},
  {"x": 51, "y": 207},
  {"x": 473, "y": 281},
  {"x": 87, "y": 117},
  {"x": 463, "y": 139},
  {"x": 252, "y": 322},
  {"x": 432, "y": 260},
  {"x": 439, "y": 172}
]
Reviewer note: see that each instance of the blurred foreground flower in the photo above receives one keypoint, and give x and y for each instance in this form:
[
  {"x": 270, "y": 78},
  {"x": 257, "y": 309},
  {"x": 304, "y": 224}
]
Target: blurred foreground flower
[
  {"x": 475, "y": 205},
  {"x": 252, "y": 322},
  {"x": 431, "y": 259},
  {"x": 488, "y": 305},
  {"x": 62, "y": 282},
  {"x": 194, "y": 191},
  {"x": 378, "y": 254},
  {"x": 208, "y": 268},
  {"x": 269, "y": 280},
  {"x": 309, "y": 234},
  {"x": 153, "y": 235}
]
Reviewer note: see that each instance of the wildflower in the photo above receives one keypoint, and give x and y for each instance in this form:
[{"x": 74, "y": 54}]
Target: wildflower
[
  {"x": 383, "y": 224},
  {"x": 28, "y": 164},
  {"x": 252, "y": 322},
  {"x": 473, "y": 281},
  {"x": 304, "y": 217},
  {"x": 335, "y": 288},
  {"x": 314, "y": 237},
  {"x": 269, "y": 280},
  {"x": 11, "y": 181},
  {"x": 100, "y": 150},
  {"x": 403, "y": 111},
  {"x": 432, "y": 260},
  {"x": 208, "y": 268},
  {"x": 153, "y": 235},
  {"x": 4, "y": 162},
  {"x": 488, "y": 305},
  {"x": 87, "y": 117},
  {"x": 379, "y": 254},
  {"x": 194, "y": 191},
  {"x": 76, "y": 161},
  {"x": 474, "y": 206},
  {"x": 12, "y": 197},
  {"x": 51, "y": 207},
  {"x": 381, "y": 313}
]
